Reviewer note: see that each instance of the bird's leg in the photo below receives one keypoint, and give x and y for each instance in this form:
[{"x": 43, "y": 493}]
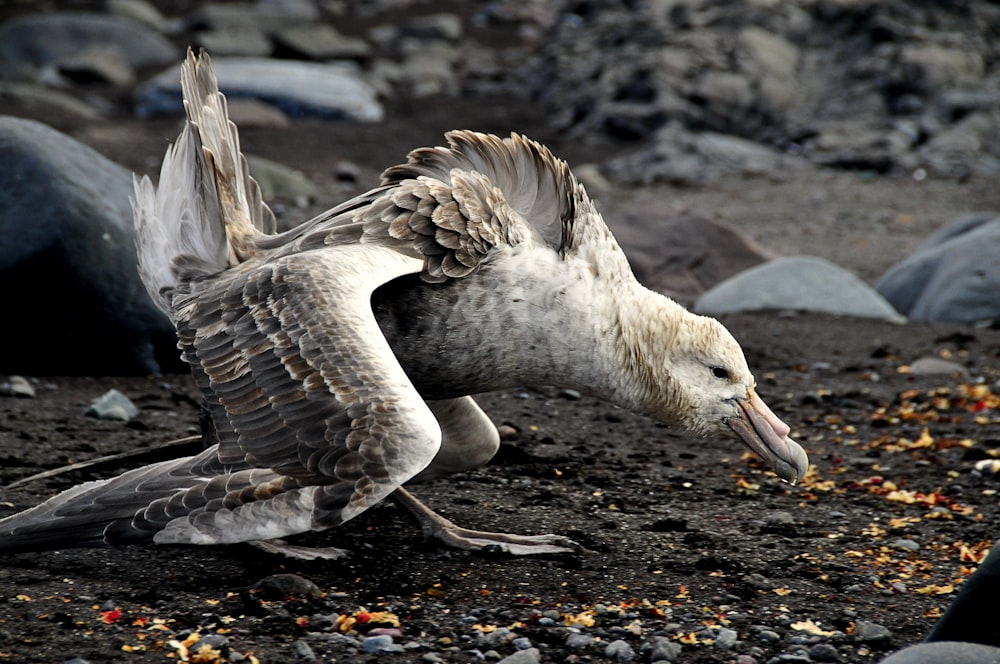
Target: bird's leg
[
  {"x": 435, "y": 525},
  {"x": 300, "y": 552}
]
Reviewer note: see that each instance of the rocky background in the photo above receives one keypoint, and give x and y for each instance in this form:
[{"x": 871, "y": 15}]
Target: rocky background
[{"x": 685, "y": 94}]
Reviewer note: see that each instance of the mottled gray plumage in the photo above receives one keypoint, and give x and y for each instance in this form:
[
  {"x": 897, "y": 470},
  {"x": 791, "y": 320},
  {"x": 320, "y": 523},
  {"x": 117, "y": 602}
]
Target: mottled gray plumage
[{"x": 336, "y": 359}]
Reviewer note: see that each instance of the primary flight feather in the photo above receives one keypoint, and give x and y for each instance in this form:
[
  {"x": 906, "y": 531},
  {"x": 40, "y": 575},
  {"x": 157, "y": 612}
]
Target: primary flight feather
[{"x": 336, "y": 359}]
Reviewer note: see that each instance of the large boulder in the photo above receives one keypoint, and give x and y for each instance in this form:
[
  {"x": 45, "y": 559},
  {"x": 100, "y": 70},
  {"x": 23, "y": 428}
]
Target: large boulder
[
  {"x": 32, "y": 43},
  {"x": 799, "y": 283},
  {"x": 952, "y": 276},
  {"x": 73, "y": 301},
  {"x": 297, "y": 88}
]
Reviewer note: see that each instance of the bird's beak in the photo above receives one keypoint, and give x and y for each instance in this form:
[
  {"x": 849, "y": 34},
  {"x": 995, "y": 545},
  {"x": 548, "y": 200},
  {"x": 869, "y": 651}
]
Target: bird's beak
[{"x": 767, "y": 435}]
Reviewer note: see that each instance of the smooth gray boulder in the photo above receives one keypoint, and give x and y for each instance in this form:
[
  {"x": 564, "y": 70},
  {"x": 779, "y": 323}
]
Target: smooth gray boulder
[
  {"x": 33, "y": 42},
  {"x": 297, "y": 88},
  {"x": 954, "y": 275},
  {"x": 73, "y": 302},
  {"x": 800, "y": 283}
]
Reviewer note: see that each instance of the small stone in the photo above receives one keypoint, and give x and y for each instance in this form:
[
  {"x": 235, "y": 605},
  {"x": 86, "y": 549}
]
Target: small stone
[
  {"x": 379, "y": 644},
  {"x": 521, "y": 643},
  {"x": 935, "y": 366},
  {"x": 790, "y": 658},
  {"x": 112, "y": 405},
  {"x": 304, "y": 651},
  {"x": 529, "y": 656},
  {"x": 745, "y": 659},
  {"x": 726, "y": 638},
  {"x": 759, "y": 582},
  {"x": 17, "y": 386},
  {"x": 665, "y": 650},
  {"x": 570, "y": 395},
  {"x": 619, "y": 650},
  {"x": 871, "y": 633},
  {"x": 768, "y": 636},
  {"x": 905, "y": 545},
  {"x": 578, "y": 641},
  {"x": 824, "y": 652},
  {"x": 282, "y": 586},
  {"x": 779, "y": 519}
]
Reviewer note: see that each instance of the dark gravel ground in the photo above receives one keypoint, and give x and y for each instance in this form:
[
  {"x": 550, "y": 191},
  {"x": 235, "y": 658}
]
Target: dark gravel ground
[{"x": 684, "y": 539}]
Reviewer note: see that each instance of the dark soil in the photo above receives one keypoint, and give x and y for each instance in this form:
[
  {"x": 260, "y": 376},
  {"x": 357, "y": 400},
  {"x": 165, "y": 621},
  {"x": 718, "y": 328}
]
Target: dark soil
[{"x": 674, "y": 529}]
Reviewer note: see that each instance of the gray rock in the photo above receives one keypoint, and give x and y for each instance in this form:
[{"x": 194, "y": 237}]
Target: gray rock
[
  {"x": 935, "y": 366},
  {"x": 69, "y": 239},
  {"x": 264, "y": 15},
  {"x": 620, "y": 651},
  {"x": 321, "y": 42},
  {"x": 29, "y": 43},
  {"x": 442, "y": 26},
  {"x": 237, "y": 41},
  {"x": 380, "y": 644},
  {"x": 279, "y": 182},
  {"x": 951, "y": 276},
  {"x": 790, "y": 658},
  {"x": 905, "y": 544},
  {"x": 945, "y": 652},
  {"x": 529, "y": 656},
  {"x": 801, "y": 283},
  {"x": 871, "y": 633},
  {"x": 576, "y": 641},
  {"x": 678, "y": 156},
  {"x": 685, "y": 254},
  {"x": 282, "y": 586},
  {"x": 773, "y": 61},
  {"x": 140, "y": 11},
  {"x": 16, "y": 386},
  {"x": 824, "y": 652},
  {"x": 112, "y": 405},
  {"x": 759, "y": 582},
  {"x": 726, "y": 638},
  {"x": 51, "y": 107},
  {"x": 665, "y": 650},
  {"x": 304, "y": 651},
  {"x": 297, "y": 88},
  {"x": 102, "y": 63}
]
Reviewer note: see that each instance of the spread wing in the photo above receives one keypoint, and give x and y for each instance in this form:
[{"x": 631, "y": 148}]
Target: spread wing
[{"x": 300, "y": 379}]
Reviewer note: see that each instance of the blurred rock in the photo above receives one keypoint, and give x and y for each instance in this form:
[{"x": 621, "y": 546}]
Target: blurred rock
[
  {"x": 320, "y": 42},
  {"x": 238, "y": 41},
  {"x": 935, "y": 366},
  {"x": 278, "y": 181},
  {"x": 799, "y": 283},
  {"x": 678, "y": 156},
  {"x": 17, "y": 386},
  {"x": 32, "y": 42},
  {"x": 683, "y": 255},
  {"x": 297, "y": 88},
  {"x": 952, "y": 276},
  {"x": 51, "y": 107},
  {"x": 112, "y": 405},
  {"x": 101, "y": 64},
  {"x": 68, "y": 263},
  {"x": 140, "y": 11}
]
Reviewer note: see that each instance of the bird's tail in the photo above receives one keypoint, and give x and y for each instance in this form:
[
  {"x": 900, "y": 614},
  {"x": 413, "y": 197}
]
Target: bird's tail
[
  {"x": 129, "y": 508},
  {"x": 206, "y": 214}
]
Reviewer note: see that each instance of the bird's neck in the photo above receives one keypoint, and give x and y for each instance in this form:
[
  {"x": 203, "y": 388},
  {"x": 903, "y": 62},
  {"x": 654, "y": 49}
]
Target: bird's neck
[{"x": 648, "y": 326}]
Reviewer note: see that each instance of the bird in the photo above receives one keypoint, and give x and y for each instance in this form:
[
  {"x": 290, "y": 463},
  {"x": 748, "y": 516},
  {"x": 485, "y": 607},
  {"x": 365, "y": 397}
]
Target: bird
[{"x": 338, "y": 360}]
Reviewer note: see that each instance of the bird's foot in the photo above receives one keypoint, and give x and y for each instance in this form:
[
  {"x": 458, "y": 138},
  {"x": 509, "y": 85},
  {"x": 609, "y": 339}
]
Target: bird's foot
[
  {"x": 435, "y": 525},
  {"x": 300, "y": 552}
]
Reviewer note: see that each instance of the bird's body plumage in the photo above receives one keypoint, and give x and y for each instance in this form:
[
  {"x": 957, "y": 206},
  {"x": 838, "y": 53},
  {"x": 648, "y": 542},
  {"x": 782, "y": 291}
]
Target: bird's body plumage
[{"x": 337, "y": 358}]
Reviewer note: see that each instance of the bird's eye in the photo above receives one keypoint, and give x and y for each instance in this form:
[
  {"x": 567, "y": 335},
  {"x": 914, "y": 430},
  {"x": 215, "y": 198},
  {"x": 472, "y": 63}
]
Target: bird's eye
[{"x": 720, "y": 373}]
